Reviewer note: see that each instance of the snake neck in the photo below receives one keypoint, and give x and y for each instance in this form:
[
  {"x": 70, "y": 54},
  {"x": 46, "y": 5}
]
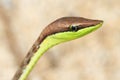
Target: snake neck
[{"x": 37, "y": 50}]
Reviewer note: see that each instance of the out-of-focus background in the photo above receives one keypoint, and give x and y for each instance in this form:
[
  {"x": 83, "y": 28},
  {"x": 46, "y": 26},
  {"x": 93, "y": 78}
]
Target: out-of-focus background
[{"x": 93, "y": 57}]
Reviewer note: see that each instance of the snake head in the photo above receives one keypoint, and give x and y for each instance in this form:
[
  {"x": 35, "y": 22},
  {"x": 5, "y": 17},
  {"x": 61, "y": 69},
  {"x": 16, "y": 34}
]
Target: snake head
[{"x": 69, "y": 28}]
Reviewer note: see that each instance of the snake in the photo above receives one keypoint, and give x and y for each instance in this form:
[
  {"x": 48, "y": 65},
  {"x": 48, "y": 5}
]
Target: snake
[{"x": 59, "y": 31}]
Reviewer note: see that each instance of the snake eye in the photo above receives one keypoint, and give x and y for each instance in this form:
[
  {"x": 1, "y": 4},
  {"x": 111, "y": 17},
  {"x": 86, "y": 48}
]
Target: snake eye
[{"x": 74, "y": 28}]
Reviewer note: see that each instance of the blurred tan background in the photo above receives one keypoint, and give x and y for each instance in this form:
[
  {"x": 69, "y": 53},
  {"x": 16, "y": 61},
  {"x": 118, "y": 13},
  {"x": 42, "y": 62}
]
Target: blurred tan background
[{"x": 93, "y": 57}]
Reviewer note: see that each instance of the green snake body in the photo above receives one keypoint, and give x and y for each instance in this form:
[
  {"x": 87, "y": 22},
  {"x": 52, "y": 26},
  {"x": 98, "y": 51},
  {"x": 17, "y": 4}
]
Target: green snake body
[{"x": 52, "y": 39}]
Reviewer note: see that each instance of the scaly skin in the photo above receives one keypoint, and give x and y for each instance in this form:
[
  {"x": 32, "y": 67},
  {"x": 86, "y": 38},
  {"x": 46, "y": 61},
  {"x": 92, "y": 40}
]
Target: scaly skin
[{"x": 61, "y": 30}]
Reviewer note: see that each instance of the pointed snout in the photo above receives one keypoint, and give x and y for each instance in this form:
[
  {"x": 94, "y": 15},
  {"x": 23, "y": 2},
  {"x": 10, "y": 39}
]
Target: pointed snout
[{"x": 90, "y": 22}]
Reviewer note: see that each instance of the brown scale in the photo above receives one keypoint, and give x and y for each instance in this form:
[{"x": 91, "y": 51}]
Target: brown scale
[{"x": 60, "y": 25}]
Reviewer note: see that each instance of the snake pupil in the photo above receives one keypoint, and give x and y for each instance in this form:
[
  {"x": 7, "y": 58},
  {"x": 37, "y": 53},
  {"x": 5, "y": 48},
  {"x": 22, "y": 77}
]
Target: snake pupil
[{"x": 74, "y": 28}]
